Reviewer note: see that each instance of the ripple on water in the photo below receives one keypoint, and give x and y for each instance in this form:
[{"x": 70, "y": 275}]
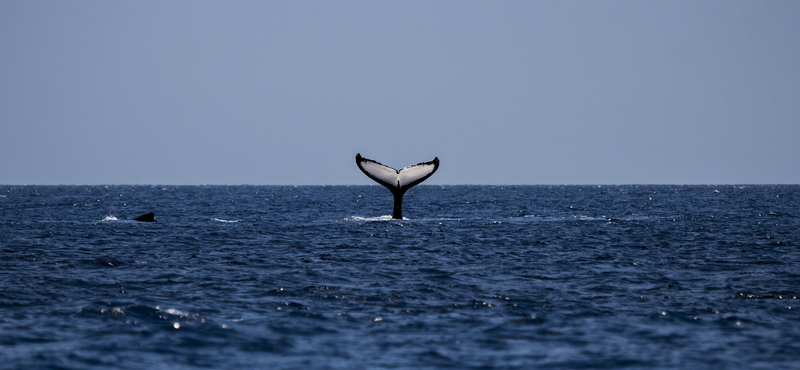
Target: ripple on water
[{"x": 483, "y": 277}]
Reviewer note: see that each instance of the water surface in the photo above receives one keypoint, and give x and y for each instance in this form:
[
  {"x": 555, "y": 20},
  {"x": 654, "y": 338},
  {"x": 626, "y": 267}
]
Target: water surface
[{"x": 516, "y": 277}]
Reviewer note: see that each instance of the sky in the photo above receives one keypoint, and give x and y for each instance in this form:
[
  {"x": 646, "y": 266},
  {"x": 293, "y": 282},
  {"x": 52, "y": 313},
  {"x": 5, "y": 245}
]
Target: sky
[{"x": 503, "y": 92}]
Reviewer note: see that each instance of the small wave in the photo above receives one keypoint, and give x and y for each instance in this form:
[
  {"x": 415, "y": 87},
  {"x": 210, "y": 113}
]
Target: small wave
[
  {"x": 223, "y": 220},
  {"x": 748, "y": 295},
  {"x": 554, "y": 218},
  {"x": 109, "y": 218},
  {"x": 587, "y": 218},
  {"x": 379, "y": 218},
  {"x": 142, "y": 314}
]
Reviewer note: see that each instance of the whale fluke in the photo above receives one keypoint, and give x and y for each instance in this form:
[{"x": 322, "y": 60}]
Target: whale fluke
[
  {"x": 397, "y": 181},
  {"x": 147, "y": 217}
]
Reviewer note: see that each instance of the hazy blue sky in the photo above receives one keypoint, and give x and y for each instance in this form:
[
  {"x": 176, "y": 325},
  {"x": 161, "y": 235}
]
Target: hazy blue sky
[{"x": 503, "y": 92}]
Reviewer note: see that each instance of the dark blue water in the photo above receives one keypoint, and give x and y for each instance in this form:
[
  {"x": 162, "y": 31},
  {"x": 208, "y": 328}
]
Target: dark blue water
[{"x": 478, "y": 277}]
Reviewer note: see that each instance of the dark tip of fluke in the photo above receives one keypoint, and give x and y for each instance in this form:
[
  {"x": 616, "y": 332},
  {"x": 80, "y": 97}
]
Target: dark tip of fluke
[{"x": 147, "y": 217}]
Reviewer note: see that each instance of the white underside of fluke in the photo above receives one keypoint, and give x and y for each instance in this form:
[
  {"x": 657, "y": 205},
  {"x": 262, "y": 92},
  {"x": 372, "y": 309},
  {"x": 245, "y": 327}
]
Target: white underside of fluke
[{"x": 392, "y": 178}]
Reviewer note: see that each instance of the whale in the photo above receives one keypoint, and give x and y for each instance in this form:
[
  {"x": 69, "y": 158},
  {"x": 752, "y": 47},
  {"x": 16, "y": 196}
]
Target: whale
[
  {"x": 147, "y": 217},
  {"x": 397, "y": 181}
]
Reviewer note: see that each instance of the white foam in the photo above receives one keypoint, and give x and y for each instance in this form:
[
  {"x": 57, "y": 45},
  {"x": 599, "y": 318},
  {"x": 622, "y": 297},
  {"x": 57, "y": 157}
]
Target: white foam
[
  {"x": 223, "y": 220},
  {"x": 109, "y": 218},
  {"x": 379, "y": 218},
  {"x": 176, "y": 312}
]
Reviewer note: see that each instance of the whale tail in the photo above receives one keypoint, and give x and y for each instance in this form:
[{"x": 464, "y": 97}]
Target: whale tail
[{"x": 397, "y": 181}]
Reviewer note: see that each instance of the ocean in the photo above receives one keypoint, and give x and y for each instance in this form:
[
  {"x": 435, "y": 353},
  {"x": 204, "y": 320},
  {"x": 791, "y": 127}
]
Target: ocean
[{"x": 476, "y": 277}]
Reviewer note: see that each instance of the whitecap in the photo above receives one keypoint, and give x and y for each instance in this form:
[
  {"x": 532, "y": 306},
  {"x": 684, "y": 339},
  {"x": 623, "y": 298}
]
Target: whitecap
[
  {"x": 176, "y": 312},
  {"x": 224, "y": 220},
  {"x": 379, "y": 218},
  {"x": 109, "y": 218}
]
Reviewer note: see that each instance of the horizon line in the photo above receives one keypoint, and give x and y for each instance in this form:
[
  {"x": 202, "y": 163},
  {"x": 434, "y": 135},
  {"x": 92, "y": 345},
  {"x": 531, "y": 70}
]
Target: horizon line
[{"x": 425, "y": 185}]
